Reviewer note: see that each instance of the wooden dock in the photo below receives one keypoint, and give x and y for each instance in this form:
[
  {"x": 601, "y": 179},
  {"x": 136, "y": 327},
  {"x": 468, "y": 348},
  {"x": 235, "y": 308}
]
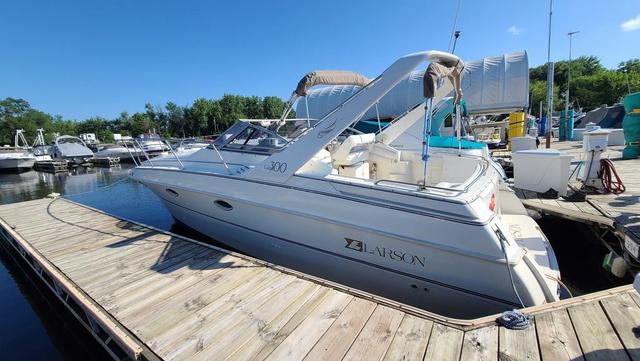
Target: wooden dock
[
  {"x": 51, "y": 166},
  {"x": 619, "y": 213},
  {"x": 106, "y": 162},
  {"x": 147, "y": 294}
]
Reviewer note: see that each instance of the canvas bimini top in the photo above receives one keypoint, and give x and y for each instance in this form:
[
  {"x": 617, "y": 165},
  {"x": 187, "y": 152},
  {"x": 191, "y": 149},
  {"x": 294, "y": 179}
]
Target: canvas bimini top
[
  {"x": 297, "y": 152},
  {"x": 497, "y": 84}
]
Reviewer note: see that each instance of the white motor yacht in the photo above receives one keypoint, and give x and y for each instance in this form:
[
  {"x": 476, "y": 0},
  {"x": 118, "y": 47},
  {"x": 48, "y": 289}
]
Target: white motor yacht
[
  {"x": 421, "y": 228},
  {"x": 152, "y": 144},
  {"x": 18, "y": 158},
  {"x": 72, "y": 149},
  {"x": 41, "y": 150},
  {"x": 120, "y": 150},
  {"x": 190, "y": 145}
]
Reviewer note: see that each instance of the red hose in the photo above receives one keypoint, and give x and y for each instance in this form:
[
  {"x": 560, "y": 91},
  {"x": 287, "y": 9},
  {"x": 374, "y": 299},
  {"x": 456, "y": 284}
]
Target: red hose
[{"x": 606, "y": 171}]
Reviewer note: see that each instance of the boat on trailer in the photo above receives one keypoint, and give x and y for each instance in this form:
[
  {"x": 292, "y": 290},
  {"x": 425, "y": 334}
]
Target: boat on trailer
[{"x": 421, "y": 228}]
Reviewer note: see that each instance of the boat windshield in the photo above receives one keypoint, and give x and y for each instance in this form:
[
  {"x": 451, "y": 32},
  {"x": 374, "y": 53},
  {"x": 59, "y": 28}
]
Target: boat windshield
[{"x": 250, "y": 138}]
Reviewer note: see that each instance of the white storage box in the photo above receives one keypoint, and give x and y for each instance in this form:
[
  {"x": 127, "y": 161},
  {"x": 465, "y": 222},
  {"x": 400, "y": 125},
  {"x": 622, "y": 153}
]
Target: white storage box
[
  {"x": 523, "y": 143},
  {"x": 616, "y": 137},
  {"x": 539, "y": 170}
]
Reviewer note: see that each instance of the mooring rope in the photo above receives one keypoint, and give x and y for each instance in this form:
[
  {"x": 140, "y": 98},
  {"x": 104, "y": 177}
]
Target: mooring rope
[
  {"x": 514, "y": 320},
  {"x": 607, "y": 172}
]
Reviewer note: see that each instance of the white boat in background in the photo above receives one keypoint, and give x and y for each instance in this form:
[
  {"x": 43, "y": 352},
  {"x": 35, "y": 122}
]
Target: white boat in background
[
  {"x": 430, "y": 230},
  {"x": 41, "y": 150},
  {"x": 152, "y": 144},
  {"x": 125, "y": 153},
  {"x": 190, "y": 145},
  {"x": 71, "y": 149},
  {"x": 18, "y": 158}
]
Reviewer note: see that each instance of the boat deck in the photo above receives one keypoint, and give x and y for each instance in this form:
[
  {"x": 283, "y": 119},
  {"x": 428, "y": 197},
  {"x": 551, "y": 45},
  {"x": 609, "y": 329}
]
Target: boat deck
[{"x": 148, "y": 294}]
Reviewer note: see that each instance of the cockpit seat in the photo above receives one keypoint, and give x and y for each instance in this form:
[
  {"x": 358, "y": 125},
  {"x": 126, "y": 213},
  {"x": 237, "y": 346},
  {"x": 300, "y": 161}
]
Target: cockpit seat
[{"x": 353, "y": 150}]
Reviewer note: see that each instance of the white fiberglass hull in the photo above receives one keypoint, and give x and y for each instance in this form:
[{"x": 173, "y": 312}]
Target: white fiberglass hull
[
  {"x": 410, "y": 257},
  {"x": 122, "y": 153},
  {"x": 17, "y": 163}
]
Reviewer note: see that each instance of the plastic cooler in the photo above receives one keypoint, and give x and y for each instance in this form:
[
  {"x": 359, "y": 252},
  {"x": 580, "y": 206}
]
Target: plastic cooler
[{"x": 540, "y": 170}]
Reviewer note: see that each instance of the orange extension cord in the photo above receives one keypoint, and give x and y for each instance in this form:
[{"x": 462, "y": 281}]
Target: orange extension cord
[{"x": 607, "y": 170}]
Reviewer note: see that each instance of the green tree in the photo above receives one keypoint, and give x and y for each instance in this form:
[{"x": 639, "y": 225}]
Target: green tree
[
  {"x": 232, "y": 109},
  {"x": 272, "y": 107},
  {"x": 538, "y": 92},
  {"x": 175, "y": 119},
  {"x": 631, "y": 66}
]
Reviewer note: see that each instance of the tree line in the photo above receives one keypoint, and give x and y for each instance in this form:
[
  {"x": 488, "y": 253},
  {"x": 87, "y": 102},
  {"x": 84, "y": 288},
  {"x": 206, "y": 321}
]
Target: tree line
[
  {"x": 203, "y": 117},
  {"x": 592, "y": 85}
]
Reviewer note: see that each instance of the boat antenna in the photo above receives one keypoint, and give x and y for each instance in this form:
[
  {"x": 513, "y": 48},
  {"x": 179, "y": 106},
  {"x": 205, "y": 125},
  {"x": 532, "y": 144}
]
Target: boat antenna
[{"x": 453, "y": 29}]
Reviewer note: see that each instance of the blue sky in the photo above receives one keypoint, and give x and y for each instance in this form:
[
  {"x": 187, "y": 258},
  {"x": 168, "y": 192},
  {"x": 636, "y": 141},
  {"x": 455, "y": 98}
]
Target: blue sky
[{"x": 87, "y": 58}]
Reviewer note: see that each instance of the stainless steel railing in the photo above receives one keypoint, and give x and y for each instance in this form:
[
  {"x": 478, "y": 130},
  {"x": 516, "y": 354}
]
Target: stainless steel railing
[{"x": 134, "y": 148}]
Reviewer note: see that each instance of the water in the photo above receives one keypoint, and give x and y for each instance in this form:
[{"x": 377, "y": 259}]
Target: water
[{"x": 35, "y": 328}]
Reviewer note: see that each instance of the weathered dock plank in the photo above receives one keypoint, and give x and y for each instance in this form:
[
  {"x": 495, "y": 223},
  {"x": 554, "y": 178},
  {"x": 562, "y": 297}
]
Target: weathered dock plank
[
  {"x": 411, "y": 339},
  {"x": 148, "y": 294},
  {"x": 595, "y": 333},
  {"x": 518, "y": 344},
  {"x": 480, "y": 344},
  {"x": 557, "y": 338},
  {"x": 336, "y": 341}
]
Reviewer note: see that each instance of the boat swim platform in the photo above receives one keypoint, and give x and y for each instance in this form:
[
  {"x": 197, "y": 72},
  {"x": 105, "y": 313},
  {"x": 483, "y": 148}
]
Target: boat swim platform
[
  {"x": 147, "y": 294},
  {"x": 620, "y": 213}
]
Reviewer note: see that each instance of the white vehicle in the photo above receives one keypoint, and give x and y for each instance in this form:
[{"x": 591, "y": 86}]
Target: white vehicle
[
  {"x": 18, "y": 158},
  {"x": 427, "y": 233}
]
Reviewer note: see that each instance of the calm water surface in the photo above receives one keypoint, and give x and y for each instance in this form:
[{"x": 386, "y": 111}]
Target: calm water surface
[{"x": 35, "y": 327}]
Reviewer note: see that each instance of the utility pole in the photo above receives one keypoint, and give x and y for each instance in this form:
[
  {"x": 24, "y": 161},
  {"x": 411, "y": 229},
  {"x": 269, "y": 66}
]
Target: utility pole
[
  {"x": 549, "y": 80},
  {"x": 566, "y": 102}
]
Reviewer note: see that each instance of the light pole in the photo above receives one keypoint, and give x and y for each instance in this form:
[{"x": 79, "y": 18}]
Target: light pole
[
  {"x": 566, "y": 102},
  {"x": 628, "y": 85},
  {"x": 456, "y": 35},
  {"x": 549, "y": 80}
]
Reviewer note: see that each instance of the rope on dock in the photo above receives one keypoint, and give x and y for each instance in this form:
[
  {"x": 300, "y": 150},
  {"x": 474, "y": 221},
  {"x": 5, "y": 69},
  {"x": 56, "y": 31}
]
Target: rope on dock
[
  {"x": 514, "y": 320},
  {"x": 607, "y": 171}
]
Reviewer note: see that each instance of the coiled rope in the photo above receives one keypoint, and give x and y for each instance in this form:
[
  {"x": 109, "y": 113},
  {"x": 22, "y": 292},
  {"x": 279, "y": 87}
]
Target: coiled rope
[
  {"x": 607, "y": 172},
  {"x": 514, "y": 320}
]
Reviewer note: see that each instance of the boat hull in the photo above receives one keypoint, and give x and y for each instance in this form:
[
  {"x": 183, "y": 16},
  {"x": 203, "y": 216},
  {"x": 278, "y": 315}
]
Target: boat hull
[
  {"x": 386, "y": 259},
  {"x": 19, "y": 164}
]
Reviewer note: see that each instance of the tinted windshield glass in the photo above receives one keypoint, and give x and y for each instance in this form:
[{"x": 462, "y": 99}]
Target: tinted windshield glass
[{"x": 250, "y": 138}]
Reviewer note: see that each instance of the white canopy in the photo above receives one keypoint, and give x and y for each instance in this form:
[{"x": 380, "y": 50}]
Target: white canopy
[{"x": 491, "y": 85}]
